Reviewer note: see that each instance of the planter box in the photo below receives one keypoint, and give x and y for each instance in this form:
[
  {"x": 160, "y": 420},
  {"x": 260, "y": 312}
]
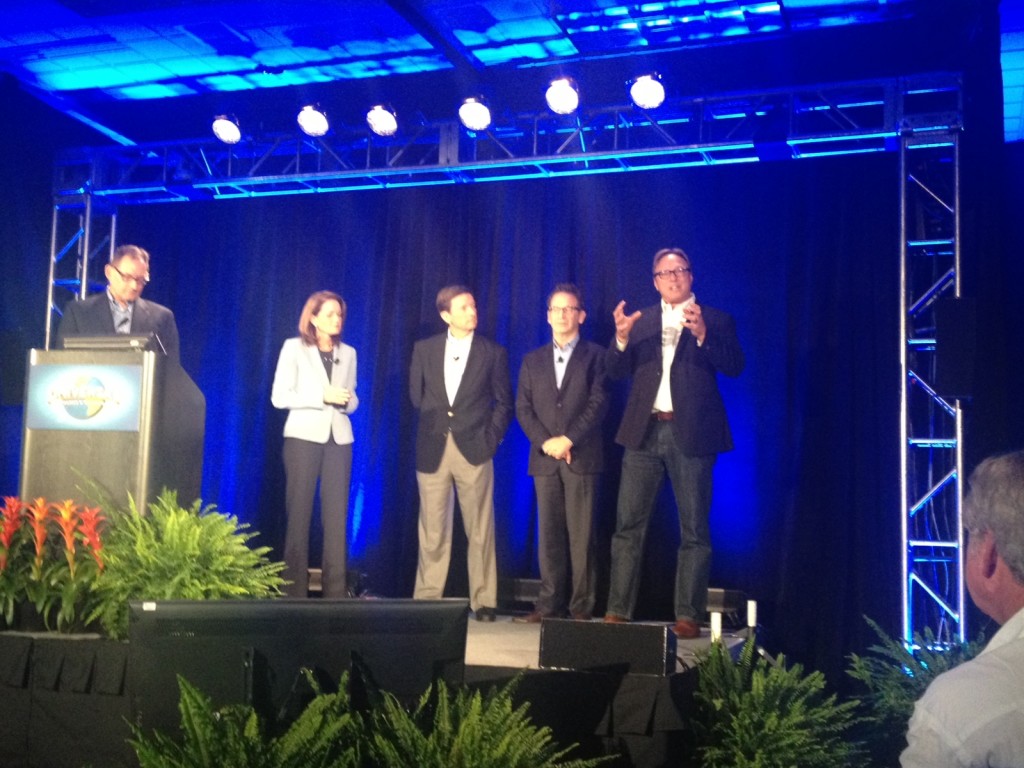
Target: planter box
[{"x": 63, "y": 701}]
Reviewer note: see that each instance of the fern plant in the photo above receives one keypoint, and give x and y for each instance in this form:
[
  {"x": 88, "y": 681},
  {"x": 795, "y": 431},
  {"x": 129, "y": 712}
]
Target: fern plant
[
  {"x": 895, "y": 677},
  {"x": 176, "y": 552},
  {"x": 361, "y": 727},
  {"x": 758, "y": 713},
  {"x": 466, "y": 729},
  {"x": 327, "y": 734}
]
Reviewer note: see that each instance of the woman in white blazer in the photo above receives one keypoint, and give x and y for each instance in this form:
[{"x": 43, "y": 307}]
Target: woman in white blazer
[{"x": 315, "y": 382}]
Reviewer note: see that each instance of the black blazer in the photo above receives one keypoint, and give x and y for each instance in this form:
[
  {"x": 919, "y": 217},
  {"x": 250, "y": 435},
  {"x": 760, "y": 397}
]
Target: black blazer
[
  {"x": 576, "y": 410},
  {"x": 92, "y": 317},
  {"x": 482, "y": 409},
  {"x": 700, "y": 423}
]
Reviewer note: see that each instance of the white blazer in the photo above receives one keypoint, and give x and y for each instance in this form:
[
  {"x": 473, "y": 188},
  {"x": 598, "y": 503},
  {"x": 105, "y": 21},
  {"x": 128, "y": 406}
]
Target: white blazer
[{"x": 299, "y": 383}]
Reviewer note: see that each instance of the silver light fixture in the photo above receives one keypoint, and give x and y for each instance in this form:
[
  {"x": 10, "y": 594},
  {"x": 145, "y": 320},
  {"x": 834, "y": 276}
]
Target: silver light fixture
[
  {"x": 313, "y": 120},
  {"x": 562, "y": 96},
  {"x": 647, "y": 91},
  {"x": 474, "y": 114},
  {"x": 382, "y": 120},
  {"x": 225, "y": 128}
]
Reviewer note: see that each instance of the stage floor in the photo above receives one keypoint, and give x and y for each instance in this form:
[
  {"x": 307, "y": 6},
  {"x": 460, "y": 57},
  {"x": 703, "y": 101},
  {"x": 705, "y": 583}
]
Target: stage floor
[{"x": 506, "y": 643}]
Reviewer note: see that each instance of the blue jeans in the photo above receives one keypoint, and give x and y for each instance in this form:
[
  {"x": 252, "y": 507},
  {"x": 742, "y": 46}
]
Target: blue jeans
[{"x": 643, "y": 470}]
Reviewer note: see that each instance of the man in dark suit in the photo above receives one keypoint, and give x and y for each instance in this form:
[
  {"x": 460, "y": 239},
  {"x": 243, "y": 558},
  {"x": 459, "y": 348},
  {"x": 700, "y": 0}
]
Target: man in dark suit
[
  {"x": 459, "y": 383},
  {"x": 675, "y": 423},
  {"x": 120, "y": 309},
  {"x": 560, "y": 403}
]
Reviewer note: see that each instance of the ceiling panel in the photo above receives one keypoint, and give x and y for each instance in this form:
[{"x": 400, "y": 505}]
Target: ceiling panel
[{"x": 114, "y": 60}]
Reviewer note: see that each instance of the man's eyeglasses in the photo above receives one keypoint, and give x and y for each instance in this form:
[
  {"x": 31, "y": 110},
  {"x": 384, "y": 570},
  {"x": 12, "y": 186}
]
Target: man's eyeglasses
[
  {"x": 679, "y": 272},
  {"x": 140, "y": 281},
  {"x": 563, "y": 310}
]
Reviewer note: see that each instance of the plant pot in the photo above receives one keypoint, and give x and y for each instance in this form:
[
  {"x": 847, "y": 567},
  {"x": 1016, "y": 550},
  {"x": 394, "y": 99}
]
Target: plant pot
[{"x": 28, "y": 619}]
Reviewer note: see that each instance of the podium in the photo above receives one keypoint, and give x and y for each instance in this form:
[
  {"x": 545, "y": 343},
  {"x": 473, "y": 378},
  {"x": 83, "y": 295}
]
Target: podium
[{"x": 113, "y": 413}]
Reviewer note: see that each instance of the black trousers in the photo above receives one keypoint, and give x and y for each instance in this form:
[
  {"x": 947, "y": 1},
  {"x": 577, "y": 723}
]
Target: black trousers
[{"x": 305, "y": 463}]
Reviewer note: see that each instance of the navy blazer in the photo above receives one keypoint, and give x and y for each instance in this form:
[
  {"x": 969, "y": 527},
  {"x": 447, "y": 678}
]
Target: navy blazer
[
  {"x": 577, "y": 410},
  {"x": 700, "y": 423},
  {"x": 482, "y": 409},
  {"x": 92, "y": 317}
]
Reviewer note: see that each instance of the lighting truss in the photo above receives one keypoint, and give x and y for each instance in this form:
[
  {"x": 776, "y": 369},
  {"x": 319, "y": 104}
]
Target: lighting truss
[
  {"x": 804, "y": 122},
  {"x": 931, "y": 431}
]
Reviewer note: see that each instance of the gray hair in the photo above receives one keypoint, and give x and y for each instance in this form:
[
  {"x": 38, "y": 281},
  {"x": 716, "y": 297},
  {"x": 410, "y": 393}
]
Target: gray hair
[{"x": 995, "y": 503}]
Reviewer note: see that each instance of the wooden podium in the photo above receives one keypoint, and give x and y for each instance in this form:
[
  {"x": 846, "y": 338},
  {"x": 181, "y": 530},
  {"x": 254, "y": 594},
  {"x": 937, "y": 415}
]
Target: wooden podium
[{"x": 115, "y": 413}]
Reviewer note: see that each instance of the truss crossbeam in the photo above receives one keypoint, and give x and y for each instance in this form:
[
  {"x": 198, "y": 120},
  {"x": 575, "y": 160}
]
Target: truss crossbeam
[{"x": 812, "y": 121}]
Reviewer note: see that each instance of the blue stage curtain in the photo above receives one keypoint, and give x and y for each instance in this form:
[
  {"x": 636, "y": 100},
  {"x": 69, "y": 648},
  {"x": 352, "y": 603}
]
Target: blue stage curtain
[{"x": 802, "y": 254}]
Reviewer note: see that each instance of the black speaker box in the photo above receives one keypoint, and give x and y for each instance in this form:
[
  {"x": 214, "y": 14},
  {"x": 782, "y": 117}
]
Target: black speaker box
[
  {"x": 955, "y": 339},
  {"x": 644, "y": 649}
]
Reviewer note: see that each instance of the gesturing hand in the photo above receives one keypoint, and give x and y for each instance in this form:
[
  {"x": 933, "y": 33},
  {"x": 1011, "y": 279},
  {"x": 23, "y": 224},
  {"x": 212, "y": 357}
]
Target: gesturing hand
[{"x": 624, "y": 323}]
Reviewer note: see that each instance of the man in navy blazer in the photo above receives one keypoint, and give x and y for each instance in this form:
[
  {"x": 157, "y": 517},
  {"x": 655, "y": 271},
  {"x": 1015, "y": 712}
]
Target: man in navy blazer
[
  {"x": 459, "y": 383},
  {"x": 120, "y": 309},
  {"x": 561, "y": 402},
  {"x": 674, "y": 422}
]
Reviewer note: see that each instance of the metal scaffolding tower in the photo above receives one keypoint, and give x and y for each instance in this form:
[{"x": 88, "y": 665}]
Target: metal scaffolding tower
[
  {"x": 82, "y": 234},
  {"x": 931, "y": 429}
]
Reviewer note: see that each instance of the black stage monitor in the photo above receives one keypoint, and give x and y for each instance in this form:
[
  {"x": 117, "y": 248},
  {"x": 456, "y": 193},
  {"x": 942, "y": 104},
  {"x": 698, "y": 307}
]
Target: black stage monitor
[
  {"x": 252, "y": 651},
  {"x": 139, "y": 341}
]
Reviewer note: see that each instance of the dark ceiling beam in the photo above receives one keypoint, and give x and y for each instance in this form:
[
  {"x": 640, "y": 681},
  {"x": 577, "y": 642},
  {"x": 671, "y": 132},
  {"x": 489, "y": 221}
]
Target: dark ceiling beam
[{"x": 460, "y": 58}]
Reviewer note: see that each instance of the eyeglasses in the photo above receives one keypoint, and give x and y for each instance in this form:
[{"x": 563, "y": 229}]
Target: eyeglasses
[
  {"x": 563, "y": 310},
  {"x": 140, "y": 281},
  {"x": 679, "y": 272}
]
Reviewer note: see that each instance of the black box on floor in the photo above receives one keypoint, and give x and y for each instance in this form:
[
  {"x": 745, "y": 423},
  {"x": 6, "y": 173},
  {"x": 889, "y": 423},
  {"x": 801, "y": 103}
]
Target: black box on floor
[{"x": 639, "y": 649}]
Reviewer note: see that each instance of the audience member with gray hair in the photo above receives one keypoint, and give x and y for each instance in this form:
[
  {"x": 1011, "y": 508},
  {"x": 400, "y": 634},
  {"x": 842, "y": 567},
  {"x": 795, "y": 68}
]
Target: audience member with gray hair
[{"x": 973, "y": 715}]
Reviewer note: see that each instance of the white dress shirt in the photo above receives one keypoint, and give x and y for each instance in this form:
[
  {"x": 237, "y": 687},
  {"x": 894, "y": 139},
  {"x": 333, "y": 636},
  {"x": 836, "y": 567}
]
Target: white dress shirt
[
  {"x": 671, "y": 332},
  {"x": 456, "y": 352},
  {"x": 973, "y": 715}
]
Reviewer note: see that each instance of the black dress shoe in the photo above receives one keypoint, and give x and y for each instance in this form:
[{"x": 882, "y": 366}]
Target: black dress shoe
[{"x": 486, "y": 614}]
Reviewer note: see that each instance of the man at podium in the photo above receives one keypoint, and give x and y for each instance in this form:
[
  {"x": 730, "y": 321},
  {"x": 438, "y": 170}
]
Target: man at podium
[{"x": 120, "y": 309}]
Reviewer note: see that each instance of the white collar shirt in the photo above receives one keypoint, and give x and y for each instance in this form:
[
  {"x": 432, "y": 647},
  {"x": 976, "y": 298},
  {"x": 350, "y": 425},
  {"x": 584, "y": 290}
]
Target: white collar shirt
[
  {"x": 456, "y": 352},
  {"x": 671, "y": 332},
  {"x": 561, "y": 356},
  {"x": 973, "y": 715}
]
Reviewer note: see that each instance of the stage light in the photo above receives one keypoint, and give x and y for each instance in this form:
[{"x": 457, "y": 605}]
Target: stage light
[
  {"x": 312, "y": 120},
  {"x": 382, "y": 120},
  {"x": 225, "y": 128},
  {"x": 475, "y": 114},
  {"x": 562, "y": 96},
  {"x": 647, "y": 91}
]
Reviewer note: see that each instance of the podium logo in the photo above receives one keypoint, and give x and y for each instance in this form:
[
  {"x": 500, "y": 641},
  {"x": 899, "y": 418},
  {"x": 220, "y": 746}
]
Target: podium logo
[{"x": 83, "y": 398}]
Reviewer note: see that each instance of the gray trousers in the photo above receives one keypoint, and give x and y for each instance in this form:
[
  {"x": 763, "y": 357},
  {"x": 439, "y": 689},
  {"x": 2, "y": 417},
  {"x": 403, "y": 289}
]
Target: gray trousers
[{"x": 565, "y": 516}]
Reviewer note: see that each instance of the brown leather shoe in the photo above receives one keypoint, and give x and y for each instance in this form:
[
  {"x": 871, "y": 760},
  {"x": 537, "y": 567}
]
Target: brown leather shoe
[
  {"x": 581, "y": 617},
  {"x": 686, "y": 629},
  {"x": 614, "y": 618},
  {"x": 531, "y": 618}
]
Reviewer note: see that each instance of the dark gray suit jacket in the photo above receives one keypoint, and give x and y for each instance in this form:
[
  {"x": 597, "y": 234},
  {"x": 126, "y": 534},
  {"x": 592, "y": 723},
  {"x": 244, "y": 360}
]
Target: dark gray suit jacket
[
  {"x": 576, "y": 410},
  {"x": 700, "y": 423},
  {"x": 482, "y": 409},
  {"x": 92, "y": 317}
]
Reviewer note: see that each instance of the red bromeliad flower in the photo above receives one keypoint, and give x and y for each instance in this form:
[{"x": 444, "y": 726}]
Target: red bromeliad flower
[
  {"x": 89, "y": 519},
  {"x": 39, "y": 513},
  {"x": 67, "y": 519},
  {"x": 12, "y": 520}
]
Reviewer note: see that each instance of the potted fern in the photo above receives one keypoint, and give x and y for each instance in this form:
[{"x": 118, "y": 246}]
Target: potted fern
[
  {"x": 178, "y": 552},
  {"x": 360, "y": 727},
  {"x": 757, "y": 712},
  {"x": 894, "y": 676}
]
